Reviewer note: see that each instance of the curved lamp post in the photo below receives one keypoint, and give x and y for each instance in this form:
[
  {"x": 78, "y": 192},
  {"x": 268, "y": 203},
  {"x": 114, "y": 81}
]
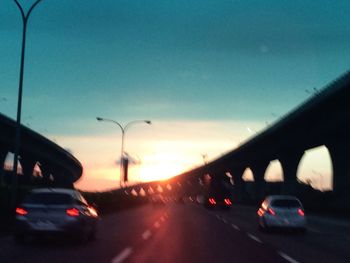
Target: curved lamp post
[
  {"x": 25, "y": 17},
  {"x": 122, "y": 153}
]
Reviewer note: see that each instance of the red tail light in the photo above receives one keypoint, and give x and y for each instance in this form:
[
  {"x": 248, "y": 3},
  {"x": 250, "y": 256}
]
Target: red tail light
[
  {"x": 261, "y": 212},
  {"x": 227, "y": 201},
  {"x": 301, "y": 212},
  {"x": 271, "y": 211},
  {"x": 212, "y": 201},
  {"x": 21, "y": 211},
  {"x": 72, "y": 212}
]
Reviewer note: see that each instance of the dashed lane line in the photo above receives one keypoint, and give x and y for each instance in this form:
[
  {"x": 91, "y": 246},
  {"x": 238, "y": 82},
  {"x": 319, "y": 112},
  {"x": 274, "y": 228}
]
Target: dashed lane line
[
  {"x": 314, "y": 230},
  {"x": 122, "y": 255},
  {"x": 162, "y": 218},
  {"x": 254, "y": 238},
  {"x": 235, "y": 227},
  {"x": 147, "y": 234},
  {"x": 156, "y": 224},
  {"x": 288, "y": 258},
  {"x": 224, "y": 220}
]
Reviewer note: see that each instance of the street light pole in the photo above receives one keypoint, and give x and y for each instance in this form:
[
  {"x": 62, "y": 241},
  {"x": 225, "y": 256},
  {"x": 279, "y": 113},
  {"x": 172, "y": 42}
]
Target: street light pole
[
  {"x": 25, "y": 17},
  {"x": 123, "y": 129}
]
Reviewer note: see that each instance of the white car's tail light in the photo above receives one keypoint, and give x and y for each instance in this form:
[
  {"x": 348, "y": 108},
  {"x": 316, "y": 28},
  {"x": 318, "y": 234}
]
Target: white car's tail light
[
  {"x": 301, "y": 212},
  {"x": 21, "y": 211}
]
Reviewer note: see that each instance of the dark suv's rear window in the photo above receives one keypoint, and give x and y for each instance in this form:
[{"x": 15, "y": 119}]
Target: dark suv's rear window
[
  {"x": 285, "y": 203},
  {"x": 49, "y": 199}
]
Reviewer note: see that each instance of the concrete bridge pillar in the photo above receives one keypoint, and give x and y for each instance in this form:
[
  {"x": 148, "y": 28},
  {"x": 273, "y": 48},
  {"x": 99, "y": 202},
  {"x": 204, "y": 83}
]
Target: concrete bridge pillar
[
  {"x": 290, "y": 163},
  {"x": 27, "y": 164},
  {"x": 239, "y": 184},
  {"x": 340, "y": 155},
  {"x": 46, "y": 173},
  {"x": 258, "y": 170},
  {"x": 61, "y": 178},
  {"x": 3, "y": 154}
]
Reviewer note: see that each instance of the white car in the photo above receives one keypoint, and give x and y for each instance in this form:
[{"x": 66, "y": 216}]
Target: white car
[{"x": 281, "y": 211}]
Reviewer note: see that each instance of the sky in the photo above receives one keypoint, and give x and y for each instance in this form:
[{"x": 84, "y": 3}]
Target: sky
[{"x": 208, "y": 74}]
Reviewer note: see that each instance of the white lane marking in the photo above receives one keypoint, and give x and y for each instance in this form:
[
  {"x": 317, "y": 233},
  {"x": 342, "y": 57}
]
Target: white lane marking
[
  {"x": 162, "y": 219},
  {"x": 254, "y": 238},
  {"x": 235, "y": 226},
  {"x": 156, "y": 224},
  {"x": 288, "y": 258},
  {"x": 218, "y": 217},
  {"x": 147, "y": 234},
  {"x": 122, "y": 255},
  {"x": 314, "y": 230},
  {"x": 224, "y": 220}
]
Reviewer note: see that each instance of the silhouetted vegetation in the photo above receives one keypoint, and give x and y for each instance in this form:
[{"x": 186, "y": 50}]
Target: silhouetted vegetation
[{"x": 112, "y": 201}]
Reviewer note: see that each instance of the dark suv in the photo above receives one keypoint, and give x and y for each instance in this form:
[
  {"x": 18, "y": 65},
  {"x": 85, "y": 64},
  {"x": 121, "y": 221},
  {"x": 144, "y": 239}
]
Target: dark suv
[{"x": 48, "y": 211}]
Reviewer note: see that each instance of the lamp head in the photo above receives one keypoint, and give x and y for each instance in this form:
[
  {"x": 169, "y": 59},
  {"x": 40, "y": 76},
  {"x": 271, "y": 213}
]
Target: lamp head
[
  {"x": 148, "y": 122},
  {"x": 99, "y": 118}
]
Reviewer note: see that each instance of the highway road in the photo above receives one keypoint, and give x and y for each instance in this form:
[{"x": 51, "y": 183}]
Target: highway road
[{"x": 189, "y": 233}]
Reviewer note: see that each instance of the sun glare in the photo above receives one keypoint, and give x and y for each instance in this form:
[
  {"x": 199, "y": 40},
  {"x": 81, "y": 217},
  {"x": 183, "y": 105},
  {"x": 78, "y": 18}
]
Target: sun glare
[{"x": 159, "y": 172}]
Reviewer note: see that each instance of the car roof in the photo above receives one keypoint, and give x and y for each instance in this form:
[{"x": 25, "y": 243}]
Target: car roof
[
  {"x": 54, "y": 190},
  {"x": 284, "y": 197}
]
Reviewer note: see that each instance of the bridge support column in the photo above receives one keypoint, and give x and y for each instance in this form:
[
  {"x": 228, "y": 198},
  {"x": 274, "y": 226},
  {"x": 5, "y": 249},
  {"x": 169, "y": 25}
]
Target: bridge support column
[
  {"x": 3, "y": 154},
  {"x": 290, "y": 165},
  {"x": 46, "y": 173},
  {"x": 340, "y": 155},
  {"x": 61, "y": 178},
  {"x": 258, "y": 170},
  {"x": 239, "y": 184},
  {"x": 27, "y": 168}
]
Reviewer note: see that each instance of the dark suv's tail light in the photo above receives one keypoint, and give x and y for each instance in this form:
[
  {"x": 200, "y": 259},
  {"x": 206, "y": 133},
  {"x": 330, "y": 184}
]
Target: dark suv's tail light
[
  {"x": 301, "y": 212},
  {"x": 212, "y": 201},
  {"x": 21, "y": 211},
  {"x": 227, "y": 201},
  {"x": 72, "y": 212}
]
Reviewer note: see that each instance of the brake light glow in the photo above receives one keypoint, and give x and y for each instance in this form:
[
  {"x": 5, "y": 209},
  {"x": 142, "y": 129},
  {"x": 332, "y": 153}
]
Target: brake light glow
[
  {"x": 271, "y": 211},
  {"x": 227, "y": 201},
  {"x": 261, "y": 212},
  {"x": 21, "y": 211},
  {"x": 301, "y": 212},
  {"x": 72, "y": 212},
  {"x": 212, "y": 201}
]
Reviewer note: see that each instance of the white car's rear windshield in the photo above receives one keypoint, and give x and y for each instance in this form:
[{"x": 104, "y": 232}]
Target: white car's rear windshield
[
  {"x": 285, "y": 203},
  {"x": 49, "y": 199}
]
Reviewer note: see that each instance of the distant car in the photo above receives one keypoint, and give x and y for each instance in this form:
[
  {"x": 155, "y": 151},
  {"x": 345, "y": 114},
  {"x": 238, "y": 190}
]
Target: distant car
[
  {"x": 281, "y": 211},
  {"x": 47, "y": 211},
  {"x": 223, "y": 202}
]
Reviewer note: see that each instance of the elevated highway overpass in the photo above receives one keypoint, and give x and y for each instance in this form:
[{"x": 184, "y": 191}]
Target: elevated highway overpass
[
  {"x": 324, "y": 119},
  {"x": 57, "y": 166}
]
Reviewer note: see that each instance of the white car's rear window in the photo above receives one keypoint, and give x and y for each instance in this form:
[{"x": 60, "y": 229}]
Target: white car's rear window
[{"x": 285, "y": 203}]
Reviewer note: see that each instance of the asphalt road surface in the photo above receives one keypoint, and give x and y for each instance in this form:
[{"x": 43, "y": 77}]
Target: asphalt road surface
[{"x": 189, "y": 233}]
